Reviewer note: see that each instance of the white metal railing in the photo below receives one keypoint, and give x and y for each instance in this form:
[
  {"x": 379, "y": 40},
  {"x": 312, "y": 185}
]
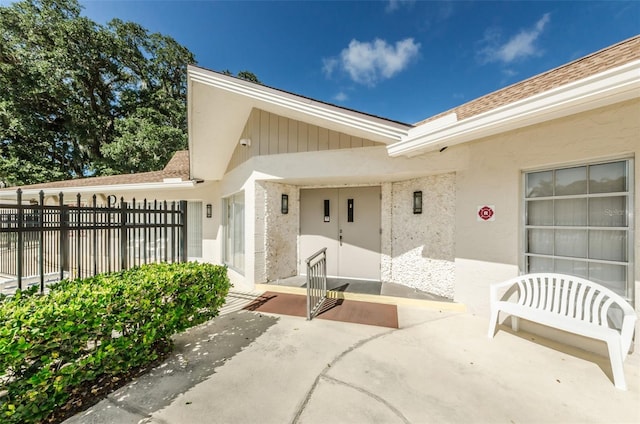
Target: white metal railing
[{"x": 316, "y": 282}]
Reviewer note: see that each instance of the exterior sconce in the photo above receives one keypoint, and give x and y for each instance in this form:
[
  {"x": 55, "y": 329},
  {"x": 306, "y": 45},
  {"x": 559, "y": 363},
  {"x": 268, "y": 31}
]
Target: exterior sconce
[
  {"x": 284, "y": 204},
  {"x": 417, "y": 202},
  {"x": 246, "y": 142},
  {"x": 209, "y": 210}
]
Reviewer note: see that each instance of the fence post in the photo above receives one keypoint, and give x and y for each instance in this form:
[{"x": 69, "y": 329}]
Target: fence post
[
  {"x": 124, "y": 253},
  {"x": 94, "y": 224},
  {"x": 184, "y": 247},
  {"x": 41, "y": 241},
  {"x": 20, "y": 224},
  {"x": 64, "y": 236},
  {"x": 79, "y": 236}
]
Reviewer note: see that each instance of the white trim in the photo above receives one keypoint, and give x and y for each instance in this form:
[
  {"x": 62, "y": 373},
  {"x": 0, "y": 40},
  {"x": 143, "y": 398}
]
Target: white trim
[
  {"x": 8, "y": 193},
  {"x": 374, "y": 125},
  {"x": 608, "y": 87}
]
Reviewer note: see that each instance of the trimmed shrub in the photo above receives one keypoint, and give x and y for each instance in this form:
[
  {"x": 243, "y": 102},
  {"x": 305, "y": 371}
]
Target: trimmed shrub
[{"x": 104, "y": 325}]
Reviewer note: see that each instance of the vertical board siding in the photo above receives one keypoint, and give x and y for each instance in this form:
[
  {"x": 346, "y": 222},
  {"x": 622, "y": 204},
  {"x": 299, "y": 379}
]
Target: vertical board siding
[
  {"x": 264, "y": 134},
  {"x": 293, "y": 137},
  {"x": 283, "y": 135},
  {"x": 312, "y": 142},
  {"x": 272, "y": 134}
]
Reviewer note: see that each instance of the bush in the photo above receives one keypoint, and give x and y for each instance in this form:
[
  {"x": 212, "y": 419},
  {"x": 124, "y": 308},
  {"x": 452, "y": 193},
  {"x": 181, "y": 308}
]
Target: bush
[{"x": 104, "y": 325}]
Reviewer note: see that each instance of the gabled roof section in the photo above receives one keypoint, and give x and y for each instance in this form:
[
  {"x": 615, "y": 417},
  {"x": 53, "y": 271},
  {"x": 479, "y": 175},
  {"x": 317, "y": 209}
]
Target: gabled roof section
[
  {"x": 219, "y": 106},
  {"x": 608, "y": 76},
  {"x": 176, "y": 171}
]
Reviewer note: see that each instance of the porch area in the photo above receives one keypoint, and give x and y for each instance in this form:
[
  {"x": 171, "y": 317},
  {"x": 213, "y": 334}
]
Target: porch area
[
  {"x": 356, "y": 286},
  {"x": 438, "y": 366}
]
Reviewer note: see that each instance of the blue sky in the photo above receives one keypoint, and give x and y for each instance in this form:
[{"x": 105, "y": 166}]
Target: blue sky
[{"x": 403, "y": 60}]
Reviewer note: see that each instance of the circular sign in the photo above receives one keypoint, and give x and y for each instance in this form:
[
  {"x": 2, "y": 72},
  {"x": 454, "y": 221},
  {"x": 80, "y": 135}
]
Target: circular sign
[{"x": 485, "y": 212}]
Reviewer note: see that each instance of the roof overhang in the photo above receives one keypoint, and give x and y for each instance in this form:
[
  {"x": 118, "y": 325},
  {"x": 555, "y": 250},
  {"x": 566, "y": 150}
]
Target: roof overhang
[
  {"x": 111, "y": 188},
  {"x": 609, "y": 87},
  {"x": 219, "y": 106}
]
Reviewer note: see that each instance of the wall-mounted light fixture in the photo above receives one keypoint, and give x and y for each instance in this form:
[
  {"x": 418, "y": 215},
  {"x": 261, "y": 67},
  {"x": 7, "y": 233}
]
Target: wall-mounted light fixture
[
  {"x": 284, "y": 204},
  {"x": 417, "y": 202},
  {"x": 209, "y": 210},
  {"x": 246, "y": 142},
  {"x": 327, "y": 210}
]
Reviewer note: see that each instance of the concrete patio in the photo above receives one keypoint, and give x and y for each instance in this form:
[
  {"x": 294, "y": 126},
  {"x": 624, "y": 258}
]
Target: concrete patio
[{"x": 439, "y": 366}]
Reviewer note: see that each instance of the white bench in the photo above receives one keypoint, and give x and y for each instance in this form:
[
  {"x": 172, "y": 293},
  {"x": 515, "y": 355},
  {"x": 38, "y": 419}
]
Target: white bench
[{"x": 571, "y": 304}]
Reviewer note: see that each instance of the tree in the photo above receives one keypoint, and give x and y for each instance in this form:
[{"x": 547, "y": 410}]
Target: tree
[
  {"x": 77, "y": 97},
  {"x": 245, "y": 75}
]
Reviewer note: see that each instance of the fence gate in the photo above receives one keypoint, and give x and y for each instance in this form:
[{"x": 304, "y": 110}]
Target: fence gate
[
  {"x": 45, "y": 243},
  {"x": 316, "y": 282}
]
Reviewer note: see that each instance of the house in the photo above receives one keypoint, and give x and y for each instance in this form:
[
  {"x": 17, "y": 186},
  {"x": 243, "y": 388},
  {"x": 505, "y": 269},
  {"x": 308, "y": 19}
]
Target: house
[{"x": 537, "y": 176}]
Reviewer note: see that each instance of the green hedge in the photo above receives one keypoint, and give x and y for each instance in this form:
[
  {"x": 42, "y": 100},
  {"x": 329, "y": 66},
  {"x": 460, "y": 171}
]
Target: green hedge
[{"x": 104, "y": 325}]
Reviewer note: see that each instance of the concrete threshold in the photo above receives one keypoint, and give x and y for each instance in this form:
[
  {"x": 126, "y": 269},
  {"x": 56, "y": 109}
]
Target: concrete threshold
[{"x": 372, "y": 298}]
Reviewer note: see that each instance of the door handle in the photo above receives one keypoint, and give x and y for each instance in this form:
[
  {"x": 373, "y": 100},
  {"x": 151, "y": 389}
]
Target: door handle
[{"x": 340, "y": 239}]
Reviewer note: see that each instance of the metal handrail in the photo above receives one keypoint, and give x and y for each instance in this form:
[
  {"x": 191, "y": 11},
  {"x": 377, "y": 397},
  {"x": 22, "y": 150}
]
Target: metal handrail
[{"x": 316, "y": 282}]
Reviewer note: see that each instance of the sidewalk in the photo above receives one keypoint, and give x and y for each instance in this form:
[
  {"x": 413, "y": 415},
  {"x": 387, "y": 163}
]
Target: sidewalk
[{"x": 247, "y": 367}]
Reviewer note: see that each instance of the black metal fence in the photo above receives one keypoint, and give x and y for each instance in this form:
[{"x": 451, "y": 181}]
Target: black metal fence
[{"x": 42, "y": 243}]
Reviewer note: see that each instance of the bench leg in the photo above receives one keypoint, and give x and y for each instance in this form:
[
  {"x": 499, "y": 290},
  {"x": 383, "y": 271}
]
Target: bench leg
[
  {"x": 492, "y": 323},
  {"x": 515, "y": 323},
  {"x": 615, "y": 356}
]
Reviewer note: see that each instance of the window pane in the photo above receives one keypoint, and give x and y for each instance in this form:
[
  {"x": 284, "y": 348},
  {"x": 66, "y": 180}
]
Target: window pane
[
  {"x": 540, "y": 184},
  {"x": 571, "y": 243},
  {"x": 571, "y": 181},
  {"x": 611, "y": 276},
  {"x": 577, "y": 268},
  {"x": 234, "y": 232},
  {"x": 608, "y": 177},
  {"x": 571, "y": 212},
  {"x": 194, "y": 229},
  {"x": 537, "y": 264},
  {"x": 608, "y": 245},
  {"x": 238, "y": 231},
  {"x": 608, "y": 211},
  {"x": 540, "y": 242},
  {"x": 540, "y": 212}
]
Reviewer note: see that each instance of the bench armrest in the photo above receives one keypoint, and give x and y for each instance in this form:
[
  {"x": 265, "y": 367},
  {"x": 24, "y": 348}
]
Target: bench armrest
[{"x": 496, "y": 287}]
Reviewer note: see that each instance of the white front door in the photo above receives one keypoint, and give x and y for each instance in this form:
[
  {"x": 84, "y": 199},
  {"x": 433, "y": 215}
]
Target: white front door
[{"x": 347, "y": 222}]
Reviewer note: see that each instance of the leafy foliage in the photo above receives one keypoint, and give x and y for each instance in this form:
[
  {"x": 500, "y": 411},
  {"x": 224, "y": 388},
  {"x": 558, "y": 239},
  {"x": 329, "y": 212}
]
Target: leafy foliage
[
  {"x": 73, "y": 93},
  {"x": 104, "y": 325}
]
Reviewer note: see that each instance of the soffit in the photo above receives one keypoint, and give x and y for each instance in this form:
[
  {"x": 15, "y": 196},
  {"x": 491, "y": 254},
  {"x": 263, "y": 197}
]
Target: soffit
[{"x": 219, "y": 107}]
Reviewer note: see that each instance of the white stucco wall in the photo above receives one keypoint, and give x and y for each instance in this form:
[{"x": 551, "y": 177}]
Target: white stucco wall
[
  {"x": 418, "y": 249},
  {"x": 488, "y": 252}
]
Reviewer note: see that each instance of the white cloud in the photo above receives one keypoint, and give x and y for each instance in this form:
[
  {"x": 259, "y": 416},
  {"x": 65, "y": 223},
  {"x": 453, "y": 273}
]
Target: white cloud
[
  {"x": 341, "y": 97},
  {"x": 393, "y": 5},
  {"x": 520, "y": 46},
  {"x": 369, "y": 62},
  {"x": 328, "y": 65}
]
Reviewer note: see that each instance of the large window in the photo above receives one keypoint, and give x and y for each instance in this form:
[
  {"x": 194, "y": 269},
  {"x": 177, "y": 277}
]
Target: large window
[
  {"x": 578, "y": 221},
  {"x": 234, "y": 232}
]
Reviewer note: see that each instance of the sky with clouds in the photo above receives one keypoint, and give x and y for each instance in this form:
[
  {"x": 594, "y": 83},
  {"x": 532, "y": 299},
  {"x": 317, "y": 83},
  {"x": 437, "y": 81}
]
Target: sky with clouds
[{"x": 401, "y": 59}]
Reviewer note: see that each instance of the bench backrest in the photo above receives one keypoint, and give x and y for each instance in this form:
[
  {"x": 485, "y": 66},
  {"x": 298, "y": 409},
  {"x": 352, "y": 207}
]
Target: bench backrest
[{"x": 572, "y": 297}]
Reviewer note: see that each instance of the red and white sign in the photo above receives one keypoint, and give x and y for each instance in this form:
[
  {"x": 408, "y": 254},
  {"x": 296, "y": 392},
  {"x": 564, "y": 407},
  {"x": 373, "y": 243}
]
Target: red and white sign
[{"x": 486, "y": 213}]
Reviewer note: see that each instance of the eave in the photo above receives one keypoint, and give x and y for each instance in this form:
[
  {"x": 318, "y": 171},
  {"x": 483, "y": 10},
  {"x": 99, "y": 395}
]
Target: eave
[
  {"x": 54, "y": 191},
  {"x": 609, "y": 87}
]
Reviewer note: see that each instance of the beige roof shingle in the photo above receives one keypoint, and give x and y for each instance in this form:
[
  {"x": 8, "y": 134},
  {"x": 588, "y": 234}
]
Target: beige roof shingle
[{"x": 177, "y": 167}]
